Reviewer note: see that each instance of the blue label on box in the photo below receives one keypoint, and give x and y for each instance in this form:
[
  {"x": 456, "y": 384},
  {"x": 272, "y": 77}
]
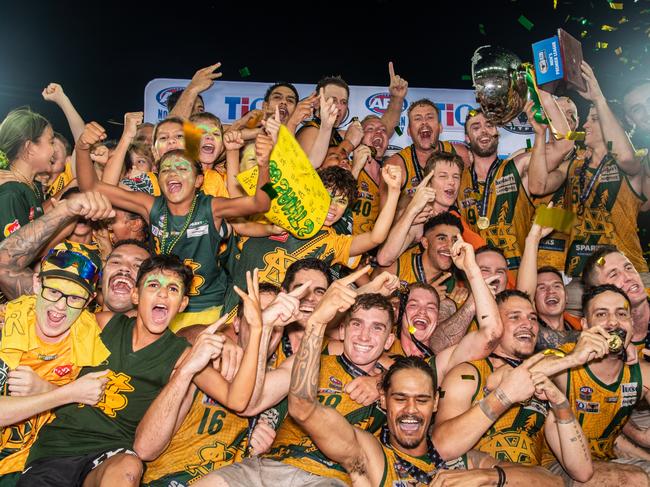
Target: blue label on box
[{"x": 548, "y": 60}]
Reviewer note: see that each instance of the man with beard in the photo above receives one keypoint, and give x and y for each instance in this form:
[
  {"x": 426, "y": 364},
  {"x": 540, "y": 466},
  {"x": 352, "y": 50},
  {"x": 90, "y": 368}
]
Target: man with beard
[
  {"x": 603, "y": 392},
  {"x": 435, "y": 194},
  {"x": 603, "y": 186},
  {"x": 491, "y": 418},
  {"x": 404, "y": 454},
  {"x": 120, "y": 270},
  {"x": 420, "y": 320},
  {"x": 293, "y": 460},
  {"x": 424, "y": 128},
  {"x": 493, "y": 195}
]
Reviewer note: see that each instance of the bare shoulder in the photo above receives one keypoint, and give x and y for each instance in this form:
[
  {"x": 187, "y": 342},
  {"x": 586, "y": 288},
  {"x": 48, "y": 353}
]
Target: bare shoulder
[{"x": 103, "y": 317}]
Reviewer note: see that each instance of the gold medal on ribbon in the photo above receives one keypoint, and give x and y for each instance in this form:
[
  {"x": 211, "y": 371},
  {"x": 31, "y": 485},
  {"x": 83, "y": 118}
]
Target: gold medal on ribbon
[{"x": 483, "y": 222}]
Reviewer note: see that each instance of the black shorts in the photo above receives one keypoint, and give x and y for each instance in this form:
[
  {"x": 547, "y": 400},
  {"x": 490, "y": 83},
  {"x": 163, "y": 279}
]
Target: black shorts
[{"x": 64, "y": 471}]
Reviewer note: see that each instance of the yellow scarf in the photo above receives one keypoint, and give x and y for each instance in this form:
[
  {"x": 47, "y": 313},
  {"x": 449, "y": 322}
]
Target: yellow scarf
[{"x": 19, "y": 335}]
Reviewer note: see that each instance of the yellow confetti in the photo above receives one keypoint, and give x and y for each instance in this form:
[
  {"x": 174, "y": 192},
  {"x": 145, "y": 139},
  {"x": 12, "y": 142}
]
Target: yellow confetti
[
  {"x": 601, "y": 261},
  {"x": 623, "y": 20},
  {"x": 583, "y": 34},
  {"x": 602, "y": 45},
  {"x": 554, "y": 4},
  {"x": 616, "y": 6},
  {"x": 608, "y": 28},
  {"x": 411, "y": 329},
  {"x": 556, "y": 218},
  {"x": 618, "y": 51},
  {"x": 193, "y": 136}
]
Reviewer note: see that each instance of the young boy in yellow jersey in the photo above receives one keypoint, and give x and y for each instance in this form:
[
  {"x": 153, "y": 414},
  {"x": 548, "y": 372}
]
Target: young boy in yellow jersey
[{"x": 46, "y": 339}]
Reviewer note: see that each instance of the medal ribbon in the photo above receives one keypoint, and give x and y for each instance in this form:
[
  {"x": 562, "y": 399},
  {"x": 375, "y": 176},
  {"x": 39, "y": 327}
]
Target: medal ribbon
[
  {"x": 482, "y": 206},
  {"x": 586, "y": 191}
]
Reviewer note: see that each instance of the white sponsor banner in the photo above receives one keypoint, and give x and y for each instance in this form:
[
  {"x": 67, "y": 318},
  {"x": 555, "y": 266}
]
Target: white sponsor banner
[{"x": 230, "y": 100}]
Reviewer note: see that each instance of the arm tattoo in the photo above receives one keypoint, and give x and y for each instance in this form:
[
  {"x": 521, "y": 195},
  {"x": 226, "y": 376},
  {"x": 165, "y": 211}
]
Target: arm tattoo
[
  {"x": 18, "y": 251},
  {"x": 549, "y": 338},
  {"x": 306, "y": 368},
  {"x": 453, "y": 329}
]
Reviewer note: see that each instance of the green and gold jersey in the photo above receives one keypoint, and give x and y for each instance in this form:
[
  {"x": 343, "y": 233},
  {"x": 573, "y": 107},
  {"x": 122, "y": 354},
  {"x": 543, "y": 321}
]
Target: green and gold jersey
[
  {"x": 294, "y": 447},
  {"x": 273, "y": 255},
  {"x": 135, "y": 379},
  {"x": 335, "y": 137},
  {"x": 21, "y": 204},
  {"x": 197, "y": 243},
  {"x": 518, "y": 435},
  {"x": 415, "y": 168},
  {"x": 210, "y": 437},
  {"x": 366, "y": 207},
  {"x": 508, "y": 208},
  {"x": 395, "y": 475},
  {"x": 603, "y": 409},
  {"x": 608, "y": 215}
]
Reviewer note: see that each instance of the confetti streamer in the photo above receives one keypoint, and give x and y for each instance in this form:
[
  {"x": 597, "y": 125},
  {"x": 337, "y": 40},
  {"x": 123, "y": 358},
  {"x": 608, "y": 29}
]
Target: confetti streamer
[
  {"x": 466, "y": 77},
  {"x": 618, "y": 51},
  {"x": 244, "y": 72},
  {"x": 616, "y": 5},
  {"x": 527, "y": 24},
  {"x": 481, "y": 29},
  {"x": 602, "y": 45},
  {"x": 583, "y": 34},
  {"x": 193, "y": 136},
  {"x": 608, "y": 28},
  {"x": 398, "y": 130},
  {"x": 623, "y": 20},
  {"x": 556, "y": 218},
  {"x": 554, "y": 4}
]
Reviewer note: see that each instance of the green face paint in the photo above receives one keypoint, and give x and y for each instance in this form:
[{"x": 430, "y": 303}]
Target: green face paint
[
  {"x": 163, "y": 280},
  {"x": 210, "y": 129}
]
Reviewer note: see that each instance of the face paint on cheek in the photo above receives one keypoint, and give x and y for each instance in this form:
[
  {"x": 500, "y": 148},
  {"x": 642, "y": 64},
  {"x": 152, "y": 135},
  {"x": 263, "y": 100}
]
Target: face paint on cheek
[{"x": 163, "y": 281}]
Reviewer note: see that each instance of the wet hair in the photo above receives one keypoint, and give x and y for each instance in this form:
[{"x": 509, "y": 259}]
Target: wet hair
[
  {"x": 444, "y": 218},
  {"x": 422, "y": 285},
  {"x": 591, "y": 292},
  {"x": 177, "y": 120},
  {"x": 589, "y": 270},
  {"x": 131, "y": 241},
  {"x": 20, "y": 126},
  {"x": 309, "y": 264},
  {"x": 503, "y": 296},
  {"x": 264, "y": 288},
  {"x": 339, "y": 181},
  {"x": 332, "y": 80},
  {"x": 207, "y": 117},
  {"x": 172, "y": 99},
  {"x": 423, "y": 102},
  {"x": 548, "y": 269},
  {"x": 442, "y": 156},
  {"x": 66, "y": 143},
  {"x": 139, "y": 148},
  {"x": 182, "y": 154},
  {"x": 406, "y": 363},
  {"x": 280, "y": 84},
  {"x": 372, "y": 301},
  {"x": 169, "y": 263}
]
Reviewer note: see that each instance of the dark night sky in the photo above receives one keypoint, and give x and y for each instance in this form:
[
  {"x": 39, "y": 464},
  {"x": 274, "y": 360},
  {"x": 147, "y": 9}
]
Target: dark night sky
[{"x": 104, "y": 53}]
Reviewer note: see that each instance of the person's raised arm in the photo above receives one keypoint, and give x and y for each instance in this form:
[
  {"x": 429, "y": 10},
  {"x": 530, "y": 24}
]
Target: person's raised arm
[
  {"x": 563, "y": 432},
  {"x": 527, "y": 275},
  {"x": 400, "y": 236},
  {"x": 233, "y": 142},
  {"x": 459, "y": 424},
  {"x": 88, "y": 389},
  {"x": 236, "y": 395},
  {"x": 328, "y": 113},
  {"x": 304, "y": 111},
  {"x": 398, "y": 88},
  {"x": 113, "y": 168},
  {"x": 19, "y": 250},
  {"x": 329, "y": 430},
  {"x": 133, "y": 201},
  {"x": 451, "y": 331},
  {"x": 613, "y": 132},
  {"x": 201, "y": 81},
  {"x": 155, "y": 430},
  {"x": 365, "y": 241},
  {"x": 54, "y": 93},
  {"x": 478, "y": 344},
  {"x": 260, "y": 201},
  {"x": 542, "y": 180}
]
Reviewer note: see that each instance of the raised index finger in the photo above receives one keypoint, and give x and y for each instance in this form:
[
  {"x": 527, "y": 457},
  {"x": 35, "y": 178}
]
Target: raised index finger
[
  {"x": 214, "y": 327},
  {"x": 354, "y": 276},
  {"x": 391, "y": 69},
  {"x": 300, "y": 291}
]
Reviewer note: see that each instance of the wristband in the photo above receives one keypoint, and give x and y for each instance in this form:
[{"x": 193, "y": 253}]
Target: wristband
[
  {"x": 487, "y": 410},
  {"x": 502, "y": 476},
  {"x": 563, "y": 405},
  {"x": 270, "y": 191},
  {"x": 503, "y": 399}
]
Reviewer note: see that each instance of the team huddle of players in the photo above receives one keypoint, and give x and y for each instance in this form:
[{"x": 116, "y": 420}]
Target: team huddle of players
[{"x": 157, "y": 330}]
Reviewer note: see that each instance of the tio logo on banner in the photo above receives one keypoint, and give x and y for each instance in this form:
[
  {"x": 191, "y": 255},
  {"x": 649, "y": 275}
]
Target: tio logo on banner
[{"x": 246, "y": 105}]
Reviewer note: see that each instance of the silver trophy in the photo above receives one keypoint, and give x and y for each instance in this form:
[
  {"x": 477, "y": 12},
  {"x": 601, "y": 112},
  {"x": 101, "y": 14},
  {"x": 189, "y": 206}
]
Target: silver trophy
[{"x": 499, "y": 81}]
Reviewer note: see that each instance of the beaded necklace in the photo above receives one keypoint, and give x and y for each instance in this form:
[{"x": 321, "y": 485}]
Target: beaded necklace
[{"x": 166, "y": 230}]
